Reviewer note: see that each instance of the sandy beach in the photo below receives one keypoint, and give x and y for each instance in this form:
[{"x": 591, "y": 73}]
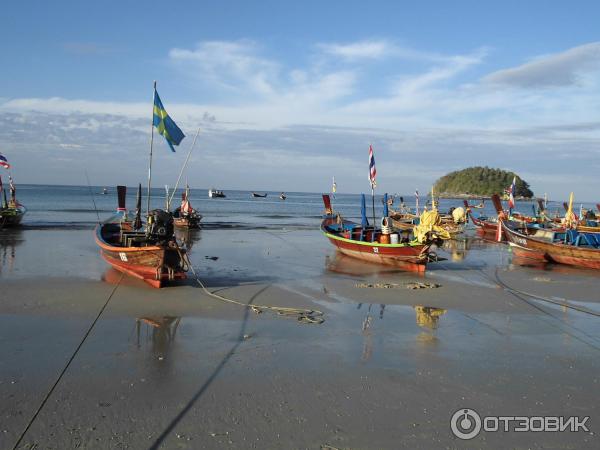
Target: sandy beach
[{"x": 175, "y": 368}]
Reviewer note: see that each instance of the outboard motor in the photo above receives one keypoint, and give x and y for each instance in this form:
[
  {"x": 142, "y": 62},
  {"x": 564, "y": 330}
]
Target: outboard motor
[{"x": 160, "y": 225}]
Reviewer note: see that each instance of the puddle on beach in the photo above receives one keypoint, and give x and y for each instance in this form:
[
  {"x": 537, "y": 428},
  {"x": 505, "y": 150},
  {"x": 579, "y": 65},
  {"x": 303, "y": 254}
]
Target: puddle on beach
[{"x": 304, "y": 264}]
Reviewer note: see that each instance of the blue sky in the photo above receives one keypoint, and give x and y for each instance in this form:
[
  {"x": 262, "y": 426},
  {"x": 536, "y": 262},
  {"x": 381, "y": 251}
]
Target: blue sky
[{"x": 287, "y": 94}]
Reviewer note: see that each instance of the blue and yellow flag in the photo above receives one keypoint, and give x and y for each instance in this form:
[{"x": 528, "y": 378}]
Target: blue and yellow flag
[{"x": 165, "y": 125}]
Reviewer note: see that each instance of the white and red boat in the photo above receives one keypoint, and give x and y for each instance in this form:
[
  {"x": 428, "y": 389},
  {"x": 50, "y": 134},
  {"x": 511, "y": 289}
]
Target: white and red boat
[
  {"x": 365, "y": 243},
  {"x": 150, "y": 253}
]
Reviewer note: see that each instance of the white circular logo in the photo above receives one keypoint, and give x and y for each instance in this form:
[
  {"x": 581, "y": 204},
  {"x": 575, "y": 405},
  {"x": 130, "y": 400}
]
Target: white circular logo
[{"x": 465, "y": 424}]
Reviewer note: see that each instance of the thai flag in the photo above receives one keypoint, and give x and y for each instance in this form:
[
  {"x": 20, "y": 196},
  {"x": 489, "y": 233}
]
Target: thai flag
[
  {"x": 372, "y": 169},
  {"x": 4, "y": 162},
  {"x": 511, "y": 193}
]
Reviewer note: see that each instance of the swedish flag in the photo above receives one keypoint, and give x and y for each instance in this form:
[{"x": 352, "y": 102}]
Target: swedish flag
[{"x": 165, "y": 125}]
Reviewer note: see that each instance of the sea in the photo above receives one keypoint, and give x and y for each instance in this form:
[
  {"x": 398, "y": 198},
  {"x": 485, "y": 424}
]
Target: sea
[{"x": 52, "y": 206}]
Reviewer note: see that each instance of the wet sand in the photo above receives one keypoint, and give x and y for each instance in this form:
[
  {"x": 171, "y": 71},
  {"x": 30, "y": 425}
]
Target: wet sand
[{"x": 175, "y": 368}]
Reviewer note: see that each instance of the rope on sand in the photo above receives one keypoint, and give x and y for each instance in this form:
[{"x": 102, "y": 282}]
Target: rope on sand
[
  {"x": 67, "y": 365},
  {"x": 507, "y": 288},
  {"x": 311, "y": 316}
]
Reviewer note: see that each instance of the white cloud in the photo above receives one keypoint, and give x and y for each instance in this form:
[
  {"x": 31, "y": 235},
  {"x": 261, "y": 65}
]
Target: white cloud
[
  {"x": 301, "y": 122},
  {"x": 559, "y": 69},
  {"x": 359, "y": 50},
  {"x": 231, "y": 65}
]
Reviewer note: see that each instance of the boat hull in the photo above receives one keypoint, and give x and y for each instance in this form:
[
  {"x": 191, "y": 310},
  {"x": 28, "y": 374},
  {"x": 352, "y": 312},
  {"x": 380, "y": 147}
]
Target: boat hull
[
  {"x": 552, "y": 252},
  {"x": 187, "y": 222},
  {"x": 413, "y": 261},
  {"x": 409, "y": 257},
  {"x": 12, "y": 217},
  {"x": 486, "y": 227},
  {"x": 153, "y": 264}
]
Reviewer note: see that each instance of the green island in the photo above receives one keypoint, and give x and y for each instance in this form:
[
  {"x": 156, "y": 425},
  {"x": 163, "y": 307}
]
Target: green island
[{"x": 480, "y": 182}]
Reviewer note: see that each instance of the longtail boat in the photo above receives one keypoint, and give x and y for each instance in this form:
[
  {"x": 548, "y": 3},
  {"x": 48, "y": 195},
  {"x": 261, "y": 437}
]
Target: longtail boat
[
  {"x": 254, "y": 194},
  {"x": 587, "y": 223},
  {"x": 486, "y": 225},
  {"x": 489, "y": 226},
  {"x": 370, "y": 244},
  {"x": 11, "y": 211},
  {"x": 185, "y": 216},
  {"x": 151, "y": 254},
  {"x": 570, "y": 247}
]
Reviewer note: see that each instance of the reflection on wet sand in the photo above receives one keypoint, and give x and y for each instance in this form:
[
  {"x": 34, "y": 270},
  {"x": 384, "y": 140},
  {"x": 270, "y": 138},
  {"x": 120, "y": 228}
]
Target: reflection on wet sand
[
  {"x": 457, "y": 248},
  {"x": 347, "y": 265},
  {"x": 9, "y": 240},
  {"x": 159, "y": 333},
  {"x": 367, "y": 351},
  {"x": 188, "y": 237},
  {"x": 550, "y": 267},
  {"x": 428, "y": 317}
]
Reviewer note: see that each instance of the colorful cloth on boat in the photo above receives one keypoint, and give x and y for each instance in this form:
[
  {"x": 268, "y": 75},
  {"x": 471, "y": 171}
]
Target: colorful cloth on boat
[
  {"x": 4, "y": 162},
  {"x": 430, "y": 227},
  {"x": 165, "y": 125}
]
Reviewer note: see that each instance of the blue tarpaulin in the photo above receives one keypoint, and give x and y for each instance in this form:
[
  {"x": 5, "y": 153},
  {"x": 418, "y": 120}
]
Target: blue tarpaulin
[{"x": 363, "y": 211}]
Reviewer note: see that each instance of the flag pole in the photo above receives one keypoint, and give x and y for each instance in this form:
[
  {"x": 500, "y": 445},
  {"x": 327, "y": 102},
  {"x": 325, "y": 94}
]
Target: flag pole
[
  {"x": 417, "y": 201},
  {"x": 373, "y": 203},
  {"x": 151, "y": 145},
  {"x": 184, "y": 166}
]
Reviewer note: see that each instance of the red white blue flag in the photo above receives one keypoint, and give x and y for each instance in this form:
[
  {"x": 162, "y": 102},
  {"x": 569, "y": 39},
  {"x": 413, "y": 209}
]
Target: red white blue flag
[
  {"x": 372, "y": 169},
  {"x": 4, "y": 162},
  {"x": 511, "y": 193}
]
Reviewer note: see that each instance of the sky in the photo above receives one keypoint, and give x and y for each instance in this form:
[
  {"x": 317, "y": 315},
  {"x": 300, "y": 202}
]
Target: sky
[{"x": 287, "y": 95}]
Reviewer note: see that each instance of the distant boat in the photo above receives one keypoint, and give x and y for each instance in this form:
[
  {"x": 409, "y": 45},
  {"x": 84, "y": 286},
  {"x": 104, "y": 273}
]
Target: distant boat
[
  {"x": 282, "y": 196},
  {"x": 254, "y": 194},
  {"x": 185, "y": 216},
  {"x": 11, "y": 212},
  {"x": 479, "y": 206},
  {"x": 104, "y": 191},
  {"x": 214, "y": 193}
]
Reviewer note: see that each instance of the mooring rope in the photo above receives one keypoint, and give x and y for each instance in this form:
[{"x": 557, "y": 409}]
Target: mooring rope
[
  {"x": 37, "y": 412},
  {"x": 312, "y": 316},
  {"x": 504, "y": 286}
]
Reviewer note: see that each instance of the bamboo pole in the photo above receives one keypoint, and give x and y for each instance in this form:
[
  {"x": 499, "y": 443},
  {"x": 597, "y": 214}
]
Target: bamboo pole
[
  {"x": 151, "y": 145},
  {"x": 183, "y": 167}
]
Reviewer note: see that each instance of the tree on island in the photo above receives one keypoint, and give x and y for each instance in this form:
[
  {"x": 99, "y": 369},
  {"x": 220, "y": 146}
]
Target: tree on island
[{"x": 481, "y": 181}]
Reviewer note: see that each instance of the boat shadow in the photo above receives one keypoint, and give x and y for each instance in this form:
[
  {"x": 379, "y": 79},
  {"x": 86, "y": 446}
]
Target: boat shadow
[{"x": 211, "y": 378}]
